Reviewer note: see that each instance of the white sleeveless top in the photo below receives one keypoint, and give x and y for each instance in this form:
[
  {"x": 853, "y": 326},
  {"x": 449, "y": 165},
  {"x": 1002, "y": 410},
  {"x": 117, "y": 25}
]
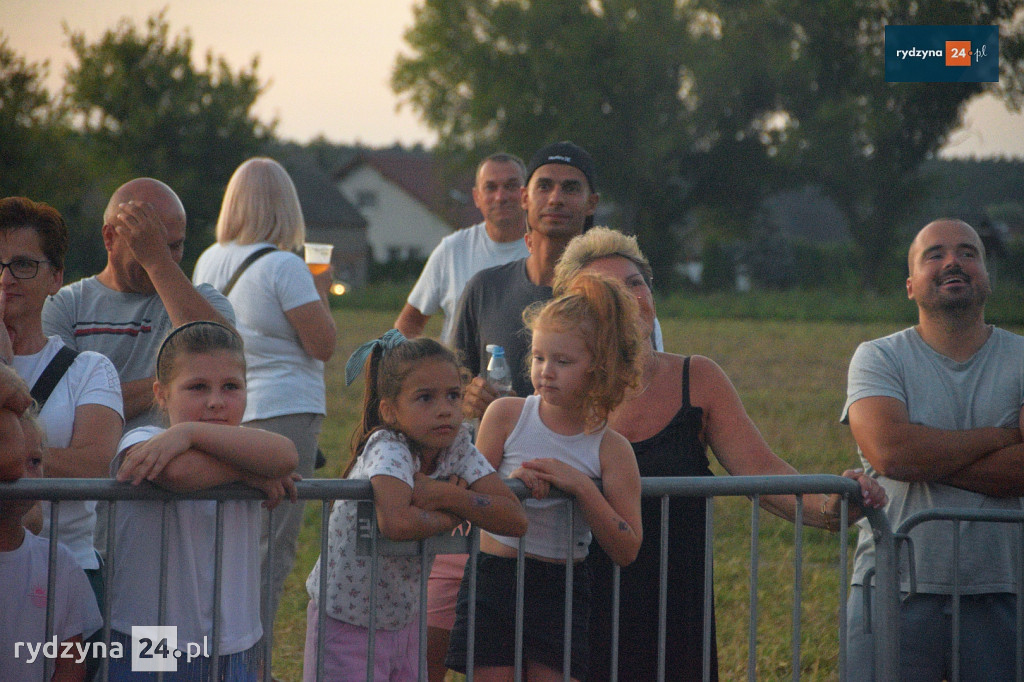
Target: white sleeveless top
[{"x": 547, "y": 534}]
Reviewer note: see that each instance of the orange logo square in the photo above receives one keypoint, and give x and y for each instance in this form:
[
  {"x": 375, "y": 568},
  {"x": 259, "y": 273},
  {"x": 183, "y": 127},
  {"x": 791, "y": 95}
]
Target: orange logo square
[{"x": 958, "y": 53}]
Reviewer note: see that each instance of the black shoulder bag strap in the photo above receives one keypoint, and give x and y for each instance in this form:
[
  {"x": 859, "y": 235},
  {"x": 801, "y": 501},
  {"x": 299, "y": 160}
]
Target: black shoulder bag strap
[
  {"x": 253, "y": 257},
  {"x": 53, "y": 373}
]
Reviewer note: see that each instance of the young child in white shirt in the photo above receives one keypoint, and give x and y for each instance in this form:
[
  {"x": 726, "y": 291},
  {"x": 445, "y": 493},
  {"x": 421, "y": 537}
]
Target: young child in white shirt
[
  {"x": 23, "y": 574},
  {"x": 427, "y": 477},
  {"x": 200, "y": 385}
]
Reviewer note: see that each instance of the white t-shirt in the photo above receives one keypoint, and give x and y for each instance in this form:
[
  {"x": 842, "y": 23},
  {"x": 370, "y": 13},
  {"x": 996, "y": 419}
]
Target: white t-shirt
[
  {"x": 281, "y": 377},
  {"x": 191, "y": 529},
  {"x": 458, "y": 257},
  {"x": 23, "y": 574},
  {"x": 348, "y": 574},
  {"x": 90, "y": 380}
]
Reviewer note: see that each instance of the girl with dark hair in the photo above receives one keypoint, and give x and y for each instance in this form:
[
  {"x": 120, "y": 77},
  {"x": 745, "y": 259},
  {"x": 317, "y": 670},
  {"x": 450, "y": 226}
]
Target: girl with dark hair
[{"x": 427, "y": 478}]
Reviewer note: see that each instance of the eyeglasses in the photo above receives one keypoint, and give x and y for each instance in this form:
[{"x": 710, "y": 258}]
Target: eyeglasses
[{"x": 22, "y": 268}]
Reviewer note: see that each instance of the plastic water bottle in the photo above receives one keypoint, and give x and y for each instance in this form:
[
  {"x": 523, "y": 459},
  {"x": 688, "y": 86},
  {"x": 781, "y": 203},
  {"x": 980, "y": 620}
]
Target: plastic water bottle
[{"x": 499, "y": 376}]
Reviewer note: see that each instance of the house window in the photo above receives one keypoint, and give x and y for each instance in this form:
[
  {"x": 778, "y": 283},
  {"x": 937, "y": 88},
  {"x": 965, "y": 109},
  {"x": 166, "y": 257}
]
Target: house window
[{"x": 366, "y": 199}]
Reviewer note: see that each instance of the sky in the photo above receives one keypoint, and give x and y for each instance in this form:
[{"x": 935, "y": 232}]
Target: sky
[{"x": 328, "y": 62}]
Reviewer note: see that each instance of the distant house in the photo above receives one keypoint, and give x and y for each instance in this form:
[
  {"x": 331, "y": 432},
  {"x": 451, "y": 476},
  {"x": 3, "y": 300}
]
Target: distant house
[
  {"x": 408, "y": 205},
  {"x": 809, "y": 215},
  {"x": 802, "y": 215},
  {"x": 330, "y": 218}
]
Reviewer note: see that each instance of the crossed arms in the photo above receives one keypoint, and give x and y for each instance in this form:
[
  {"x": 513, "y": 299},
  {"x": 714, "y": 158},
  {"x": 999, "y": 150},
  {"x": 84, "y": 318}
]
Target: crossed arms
[{"x": 988, "y": 460}]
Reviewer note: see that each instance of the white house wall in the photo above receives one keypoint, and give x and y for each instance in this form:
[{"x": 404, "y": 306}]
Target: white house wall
[{"x": 397, "y": 221}]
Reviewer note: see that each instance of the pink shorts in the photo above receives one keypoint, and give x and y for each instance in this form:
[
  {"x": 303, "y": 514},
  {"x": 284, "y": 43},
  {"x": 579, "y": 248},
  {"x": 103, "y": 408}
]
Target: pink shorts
[
  {"x": 396, "y": 652},
  {"x": 443, "y": 589}
]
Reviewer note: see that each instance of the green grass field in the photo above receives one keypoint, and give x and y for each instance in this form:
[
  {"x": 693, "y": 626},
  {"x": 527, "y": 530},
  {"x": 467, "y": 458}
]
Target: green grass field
[{"x": 792, "y": 378}]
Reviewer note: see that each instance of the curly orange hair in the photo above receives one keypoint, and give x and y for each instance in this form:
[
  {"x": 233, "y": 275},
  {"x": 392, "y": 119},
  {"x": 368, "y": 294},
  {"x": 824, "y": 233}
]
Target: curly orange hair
[{"x": 606, "y": 318}]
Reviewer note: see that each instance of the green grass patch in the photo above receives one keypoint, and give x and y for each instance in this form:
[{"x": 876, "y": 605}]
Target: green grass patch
[
  {"x": 1005, "y": 306},
  {"x": 381, "y": 296}
]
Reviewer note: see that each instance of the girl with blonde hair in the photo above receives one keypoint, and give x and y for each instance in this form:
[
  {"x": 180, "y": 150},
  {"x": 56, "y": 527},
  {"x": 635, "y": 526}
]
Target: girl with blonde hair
[{"x": 585, "y": 352}]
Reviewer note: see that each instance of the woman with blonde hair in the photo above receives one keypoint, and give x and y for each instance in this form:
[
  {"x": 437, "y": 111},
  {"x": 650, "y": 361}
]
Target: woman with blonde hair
[
  {"x": 683, "y": 406},
  {"x": 284, "y": 318}
]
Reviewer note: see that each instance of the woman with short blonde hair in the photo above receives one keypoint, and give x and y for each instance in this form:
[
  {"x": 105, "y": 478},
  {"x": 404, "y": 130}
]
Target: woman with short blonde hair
[
  {"x": 600, "y": 242},
  {"x": 683, "y": 407}
]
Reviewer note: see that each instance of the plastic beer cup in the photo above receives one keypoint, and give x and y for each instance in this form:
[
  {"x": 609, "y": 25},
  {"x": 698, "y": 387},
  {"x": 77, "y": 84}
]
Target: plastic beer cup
[{"x": 318, "y": 257}]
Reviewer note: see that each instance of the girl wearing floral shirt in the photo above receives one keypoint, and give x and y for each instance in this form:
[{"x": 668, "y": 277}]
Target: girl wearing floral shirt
[{"x": 427, "y": 477}]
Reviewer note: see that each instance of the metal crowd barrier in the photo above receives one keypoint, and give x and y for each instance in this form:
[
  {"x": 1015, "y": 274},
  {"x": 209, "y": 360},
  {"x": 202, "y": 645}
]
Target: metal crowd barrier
[
  {"x": 956, "y": 517},
  {"x": 326, "y": 490}
]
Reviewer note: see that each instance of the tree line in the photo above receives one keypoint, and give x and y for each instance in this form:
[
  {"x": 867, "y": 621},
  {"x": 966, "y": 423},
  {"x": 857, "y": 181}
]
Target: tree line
[
  {"x": 695, "y": 111},
  {"x": 134, "y": 103}
]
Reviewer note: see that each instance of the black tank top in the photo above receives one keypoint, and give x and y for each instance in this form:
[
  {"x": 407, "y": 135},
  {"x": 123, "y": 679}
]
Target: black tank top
[{"x": 676, "y": 450}]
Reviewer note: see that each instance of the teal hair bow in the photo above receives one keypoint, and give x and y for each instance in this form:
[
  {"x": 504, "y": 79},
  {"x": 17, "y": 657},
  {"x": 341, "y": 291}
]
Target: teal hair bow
[{"x": 354, "y": 367}]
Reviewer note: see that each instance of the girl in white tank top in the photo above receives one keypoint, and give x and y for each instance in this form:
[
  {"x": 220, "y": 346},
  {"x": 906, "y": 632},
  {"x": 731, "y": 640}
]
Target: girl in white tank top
[{"x": 585, "y": 355}]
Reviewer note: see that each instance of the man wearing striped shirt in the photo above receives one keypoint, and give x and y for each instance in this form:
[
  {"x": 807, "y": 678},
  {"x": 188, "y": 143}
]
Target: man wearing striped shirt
[{"x": 126, "y": 310}]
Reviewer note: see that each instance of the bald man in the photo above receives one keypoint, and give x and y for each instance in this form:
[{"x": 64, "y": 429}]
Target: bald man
[
  {"x": 126, "y": 310},
  {"x": 935, "y": 411}
]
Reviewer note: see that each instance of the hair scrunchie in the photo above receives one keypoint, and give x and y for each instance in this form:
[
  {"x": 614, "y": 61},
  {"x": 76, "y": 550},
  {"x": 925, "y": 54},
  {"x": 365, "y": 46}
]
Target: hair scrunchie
[{"x": 354, "y": 367}]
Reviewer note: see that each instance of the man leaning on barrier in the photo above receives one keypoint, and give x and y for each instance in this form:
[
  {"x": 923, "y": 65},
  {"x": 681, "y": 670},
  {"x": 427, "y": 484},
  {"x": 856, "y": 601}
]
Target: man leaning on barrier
[{"x": 935, "y": 411}]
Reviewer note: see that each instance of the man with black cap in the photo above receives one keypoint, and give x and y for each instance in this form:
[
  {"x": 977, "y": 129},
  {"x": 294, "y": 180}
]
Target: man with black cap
[{"x": 559, "y": 200}]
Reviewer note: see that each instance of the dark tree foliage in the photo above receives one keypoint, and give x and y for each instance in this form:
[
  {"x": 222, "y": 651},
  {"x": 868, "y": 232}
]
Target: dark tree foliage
[
  {"x": 41, "y": 156},
  {"x": 708, "y": 104},
  {"x": 863, "y": 139},
  {"x": 621, "y": 79},
  {"x": 38, "y": 157},
  {"x": 150, "y": 111},
  {"x": 25, "y": 119}
]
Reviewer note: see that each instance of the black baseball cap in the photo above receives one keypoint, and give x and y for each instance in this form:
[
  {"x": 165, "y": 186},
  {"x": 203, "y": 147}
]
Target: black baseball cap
[{"x": 567, "y": 153}]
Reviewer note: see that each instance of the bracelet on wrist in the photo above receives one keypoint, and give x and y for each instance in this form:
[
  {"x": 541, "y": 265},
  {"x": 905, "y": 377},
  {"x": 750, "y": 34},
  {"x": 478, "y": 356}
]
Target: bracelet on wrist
[{"x": 832, "y": 521}]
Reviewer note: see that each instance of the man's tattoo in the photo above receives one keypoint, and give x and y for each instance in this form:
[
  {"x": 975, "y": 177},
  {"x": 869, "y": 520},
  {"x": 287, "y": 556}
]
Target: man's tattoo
[
  {"x": 623, "y": 526},
  {"x": 480, "y": 501}
]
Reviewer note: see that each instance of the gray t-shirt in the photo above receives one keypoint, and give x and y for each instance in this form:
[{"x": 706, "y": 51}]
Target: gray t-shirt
[
  {"x": 127, "y": 328},
  {"x": 491, "y": 311},
  {"x": 985, "y": 391}
]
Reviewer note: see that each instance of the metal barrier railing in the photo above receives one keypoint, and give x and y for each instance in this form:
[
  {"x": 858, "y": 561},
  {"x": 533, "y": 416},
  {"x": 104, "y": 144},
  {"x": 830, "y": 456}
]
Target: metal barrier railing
[
  {"x": 326, "y": 490},
  {"x": 957, "y": 516}
]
